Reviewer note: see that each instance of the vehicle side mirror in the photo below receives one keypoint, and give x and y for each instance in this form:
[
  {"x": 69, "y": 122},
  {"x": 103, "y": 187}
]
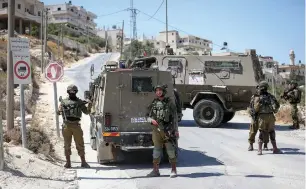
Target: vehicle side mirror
[
  {"x": 86, "y": 94},
  {"x": 92, "y": 70}
]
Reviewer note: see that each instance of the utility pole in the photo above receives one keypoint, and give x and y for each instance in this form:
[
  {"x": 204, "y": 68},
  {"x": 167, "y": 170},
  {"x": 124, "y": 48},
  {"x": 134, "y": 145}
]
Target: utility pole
[
  {"x": 10, "y": 76},
  {"x": 166, "y": 22},
  {"x": 42, "y": 41},
  {"x": 45, "y": 38},
  {"x": 62, "y": 31},
  {"x": 122, "y": 36}
]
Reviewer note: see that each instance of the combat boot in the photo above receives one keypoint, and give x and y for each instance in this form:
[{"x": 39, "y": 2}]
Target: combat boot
[
  {"x": 250, "y": 147},
  {"x": 84, "y": 164},
  {"x": 173, "y": 173},
  {"x": 265, "y": 147},
  {"x": 275, "y": 149},
  {"x": 259, "y": 148},
  {"x": 68, "y": 162},
  {"x": 155, "y": 171}
]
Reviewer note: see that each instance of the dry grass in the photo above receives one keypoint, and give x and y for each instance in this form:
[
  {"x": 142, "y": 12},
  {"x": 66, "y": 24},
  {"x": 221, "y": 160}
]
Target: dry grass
[
  {"x": 37, "y": 139},
  {"x": 284, "y": 115}
]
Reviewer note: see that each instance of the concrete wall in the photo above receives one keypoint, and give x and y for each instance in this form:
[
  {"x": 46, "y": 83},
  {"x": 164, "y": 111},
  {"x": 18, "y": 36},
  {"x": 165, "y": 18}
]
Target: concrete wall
[{"x": 71, "y": 44}]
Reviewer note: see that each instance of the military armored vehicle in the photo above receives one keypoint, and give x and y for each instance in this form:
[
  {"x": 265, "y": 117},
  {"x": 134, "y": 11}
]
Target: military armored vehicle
[
  {"x": 120, "y": 99},
  {"x": 215, "y": 87}
]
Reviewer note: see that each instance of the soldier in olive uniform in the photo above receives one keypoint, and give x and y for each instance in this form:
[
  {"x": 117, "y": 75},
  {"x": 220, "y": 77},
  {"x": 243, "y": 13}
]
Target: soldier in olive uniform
[
  {"x": 254, "y": 125},
  {"x": 162, "y": 114},
  {"x": 71, "y": 108},
  {"x": 294, "y": 97},
  {"x": 265, "y": 105}
]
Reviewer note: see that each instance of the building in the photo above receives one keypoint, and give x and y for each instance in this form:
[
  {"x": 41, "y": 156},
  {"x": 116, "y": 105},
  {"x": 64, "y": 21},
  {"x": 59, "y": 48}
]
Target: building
[
  {"x": 27, "y": 15},
  {"x": 183, "y": 45},
  {"x": 75, "y": 18},
  {"x": 281, "y": 73},
  {"x": 113, "y": 37}
]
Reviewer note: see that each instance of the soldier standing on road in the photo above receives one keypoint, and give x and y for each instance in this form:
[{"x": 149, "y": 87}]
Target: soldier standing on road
[
  {"x": 265, "y": 106},
  {"x": 294, "y": 97},
  {"x": 162, "y": 114},
  {"x": 73, "y": 108},
  {"x": 254, "y": 125}
]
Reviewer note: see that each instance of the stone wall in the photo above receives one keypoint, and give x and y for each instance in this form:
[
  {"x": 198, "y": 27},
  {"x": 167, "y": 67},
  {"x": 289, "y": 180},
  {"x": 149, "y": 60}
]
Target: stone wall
[{"x": 82, "y": 50}]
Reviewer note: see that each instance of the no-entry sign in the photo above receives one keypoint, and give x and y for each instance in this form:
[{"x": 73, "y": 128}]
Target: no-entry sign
[
  {"x": 22, "y": 68},
  {"x": 54, "y": 72}
]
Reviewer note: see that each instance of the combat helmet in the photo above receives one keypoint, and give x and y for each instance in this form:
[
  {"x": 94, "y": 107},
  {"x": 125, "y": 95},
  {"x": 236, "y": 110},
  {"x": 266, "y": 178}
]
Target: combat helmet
[
  {"x": 263, "y": 85},
  {"x": 72, "y": 88},
  {"x": 162, "y": 87},
  {"x": 294, "y": 82}
]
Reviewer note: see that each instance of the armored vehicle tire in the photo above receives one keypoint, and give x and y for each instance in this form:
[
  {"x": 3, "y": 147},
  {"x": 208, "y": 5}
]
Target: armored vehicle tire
[
  {"x": 208, "y": 113},
  {"x": 228, "y": 116}
]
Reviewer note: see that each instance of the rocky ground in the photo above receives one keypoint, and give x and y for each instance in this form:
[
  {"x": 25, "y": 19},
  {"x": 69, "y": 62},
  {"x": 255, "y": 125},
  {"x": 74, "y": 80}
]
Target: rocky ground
[{"x": 39, "y": 167}]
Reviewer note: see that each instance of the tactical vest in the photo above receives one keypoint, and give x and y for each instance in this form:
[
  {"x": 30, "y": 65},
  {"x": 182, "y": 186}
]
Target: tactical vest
[
  {"x": 160, "y": 110},
  {"x": 296, "y": 99},
  {"x": 74, "y": 109},
  {"x": 268, "y": 104}
]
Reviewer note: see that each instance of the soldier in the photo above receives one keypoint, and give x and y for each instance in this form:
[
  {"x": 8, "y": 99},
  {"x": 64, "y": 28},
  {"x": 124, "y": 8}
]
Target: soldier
[
  {"x": 162, "y": 114},
  {"x": 72, "y": 108},
  {"x": 294, "y": 97},
  {"x": 265, "y": 105},
  {"x": 254, "y": 124}
]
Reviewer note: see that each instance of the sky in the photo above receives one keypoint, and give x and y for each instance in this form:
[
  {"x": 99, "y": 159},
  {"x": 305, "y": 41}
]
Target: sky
[{"x": 272, "y": 27}]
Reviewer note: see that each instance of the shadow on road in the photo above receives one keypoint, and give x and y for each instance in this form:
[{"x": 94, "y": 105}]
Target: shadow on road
[
  {"x": 292, "y": 151},
  {"x": 242, "y": 126},
  {"x": 259, "y": 176},
  {"x": 143, "y": 160},
  {"x": 191, "y": 175}
]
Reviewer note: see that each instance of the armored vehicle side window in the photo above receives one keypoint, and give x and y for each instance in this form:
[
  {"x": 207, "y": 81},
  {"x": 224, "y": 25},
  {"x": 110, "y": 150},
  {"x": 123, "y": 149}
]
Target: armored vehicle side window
[
  {"x": 142, "y": 84},
  {"x": 218, "y": 66}
]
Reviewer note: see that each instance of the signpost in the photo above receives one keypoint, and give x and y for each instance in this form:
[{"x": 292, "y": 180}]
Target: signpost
[
  {"x": 54, "y": 72},
  {"x": 22, "y": 74}
]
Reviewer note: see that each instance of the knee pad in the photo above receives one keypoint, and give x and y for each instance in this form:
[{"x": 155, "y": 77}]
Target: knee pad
[
  {"x": 157, "y": 151},
  {"x": 272, "y": 135}
]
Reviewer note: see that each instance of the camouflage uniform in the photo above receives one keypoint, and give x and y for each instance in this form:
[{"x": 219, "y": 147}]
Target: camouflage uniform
[
  {"x": 294, "y": 97},
  {"x": 254, "y": 126},
  {"x": 71, "y": 108},
  {"x": 164, "y": 112},
  {"x": 265, "y": 106}
]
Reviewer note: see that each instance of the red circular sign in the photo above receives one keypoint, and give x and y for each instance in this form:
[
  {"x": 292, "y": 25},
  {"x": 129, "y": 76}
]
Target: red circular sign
[
  {"x": 54, "y": 72},
  {"x": 18, "y": 72}
]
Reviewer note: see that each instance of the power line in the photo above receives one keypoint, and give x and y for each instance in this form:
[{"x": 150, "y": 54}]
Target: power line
[
  {"x": 113, "y": 13},
  {"x": 173, "y": 26},
  {"x": 157, "y": 10}
]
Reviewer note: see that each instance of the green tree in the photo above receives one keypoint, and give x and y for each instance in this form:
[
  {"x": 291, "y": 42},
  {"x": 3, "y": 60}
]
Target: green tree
[
  {"x": 137, "y": 48},
  {"x": 34, "y": 31}
]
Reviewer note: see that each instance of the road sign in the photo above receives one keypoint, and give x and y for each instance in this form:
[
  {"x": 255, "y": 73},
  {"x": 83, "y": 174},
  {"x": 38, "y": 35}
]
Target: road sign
[
  {"x": 22, "y": 68},
  {"x": 19, "y": 44},
  {"x": 54, "y": 72}
]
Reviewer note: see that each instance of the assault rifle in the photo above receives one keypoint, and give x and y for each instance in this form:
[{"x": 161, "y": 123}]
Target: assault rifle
[
  {"x": 285, "y": 94},
  {"x": 252, "y": 111}
]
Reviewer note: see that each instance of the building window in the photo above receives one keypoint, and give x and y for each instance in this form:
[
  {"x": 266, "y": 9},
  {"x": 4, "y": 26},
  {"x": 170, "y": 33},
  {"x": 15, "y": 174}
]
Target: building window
[
  {"x": 59, "y": 8},
  {"x": 172, "y": 33},
  {"x": 172, "y": 41},
  {"x": 38, "y": 13},
  {"x": 19, "y": 6},
  {"x": 4, "y": 5},
  {"x": 71, "y": 10},
  {"x": 157, "y": 43}
]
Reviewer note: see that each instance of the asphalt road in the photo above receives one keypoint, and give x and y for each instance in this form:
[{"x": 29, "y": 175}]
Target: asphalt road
[{"x": 208, "y": 158}]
